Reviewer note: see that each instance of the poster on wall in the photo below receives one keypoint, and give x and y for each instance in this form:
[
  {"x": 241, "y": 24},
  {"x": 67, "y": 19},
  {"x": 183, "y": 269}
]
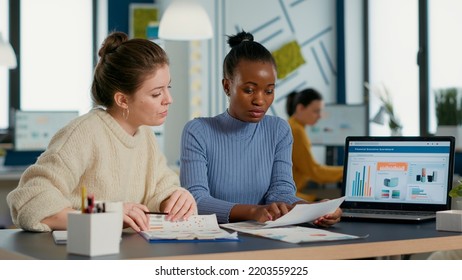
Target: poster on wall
[{"x": 143, "y": 21}]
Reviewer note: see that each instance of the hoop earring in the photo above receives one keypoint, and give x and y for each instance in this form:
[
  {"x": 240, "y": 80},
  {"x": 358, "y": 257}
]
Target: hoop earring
[
  {"x": 227, "y": 98},
  {"x": 125, "y": 113}
]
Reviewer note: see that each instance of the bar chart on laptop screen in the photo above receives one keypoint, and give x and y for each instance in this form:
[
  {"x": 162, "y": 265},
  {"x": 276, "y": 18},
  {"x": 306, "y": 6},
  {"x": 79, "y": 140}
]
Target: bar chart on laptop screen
[
  {"x": 377, "y": 180},
  {"x": 360, "y": 183}
]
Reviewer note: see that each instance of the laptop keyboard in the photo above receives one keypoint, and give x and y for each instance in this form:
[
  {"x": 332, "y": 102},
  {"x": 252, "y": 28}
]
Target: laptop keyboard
[{"x": 389, "y": 212}]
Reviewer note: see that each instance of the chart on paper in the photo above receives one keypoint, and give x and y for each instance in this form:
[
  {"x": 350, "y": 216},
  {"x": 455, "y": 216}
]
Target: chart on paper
[{"x": 195, "y": 222}]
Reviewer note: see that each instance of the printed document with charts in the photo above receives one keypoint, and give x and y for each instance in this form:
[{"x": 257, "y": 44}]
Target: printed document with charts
[
  {"x": 282, "y": 229},
  {"x": 196, "y": 229}
]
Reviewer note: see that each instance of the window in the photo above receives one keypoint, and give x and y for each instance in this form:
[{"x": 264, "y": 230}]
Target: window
[
  {"x": 445, "y": 43},
  {"x": 393, "y": 48},
  {"x": 4, "y": 100},
  {"x": 56, "y": 54}
]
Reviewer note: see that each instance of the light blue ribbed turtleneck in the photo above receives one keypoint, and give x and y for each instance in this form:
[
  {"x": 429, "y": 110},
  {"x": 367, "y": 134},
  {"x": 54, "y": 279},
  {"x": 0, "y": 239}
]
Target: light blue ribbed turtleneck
[{"x": 225, "y": 161}]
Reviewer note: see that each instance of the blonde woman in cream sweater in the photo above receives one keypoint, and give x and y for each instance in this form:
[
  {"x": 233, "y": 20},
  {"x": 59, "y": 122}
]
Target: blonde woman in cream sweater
[{"x": 110, "y": 150}]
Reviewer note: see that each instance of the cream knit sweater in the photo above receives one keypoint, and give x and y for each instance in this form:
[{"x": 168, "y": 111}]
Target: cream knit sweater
[{"x": 92, "y": 151}]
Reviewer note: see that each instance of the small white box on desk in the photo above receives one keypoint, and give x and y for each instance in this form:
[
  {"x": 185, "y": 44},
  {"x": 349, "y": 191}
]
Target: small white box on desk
[
  {"x": 94, "y": 234},
  {"x": 450, "y": 220}
]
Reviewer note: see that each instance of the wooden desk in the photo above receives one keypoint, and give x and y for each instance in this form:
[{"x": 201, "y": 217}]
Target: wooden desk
[{"x": 385, "y": 239}]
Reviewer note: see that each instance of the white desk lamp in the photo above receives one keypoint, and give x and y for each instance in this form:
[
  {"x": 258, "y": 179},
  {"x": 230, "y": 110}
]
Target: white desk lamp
[
  {"x": 379, "y": 118},
  {"x": 7, "y": 56},
  {"x": 185, "y": 20}
]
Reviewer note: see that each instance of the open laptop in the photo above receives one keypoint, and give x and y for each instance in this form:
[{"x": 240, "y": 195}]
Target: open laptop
[
  {"x": 397, "y": 178},
  {"x": 33, "y": 130}
]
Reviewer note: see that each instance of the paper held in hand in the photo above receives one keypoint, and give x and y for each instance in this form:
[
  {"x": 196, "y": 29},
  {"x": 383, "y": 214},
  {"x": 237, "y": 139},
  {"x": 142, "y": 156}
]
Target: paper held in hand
[
  {"x": 301, "y": 213},
  {"x": 304, "y": 213}
]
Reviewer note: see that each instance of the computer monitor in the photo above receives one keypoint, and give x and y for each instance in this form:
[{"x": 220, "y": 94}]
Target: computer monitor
[
  {"x": 33, "y": 130},
  {"x": 338, "y": 122}
]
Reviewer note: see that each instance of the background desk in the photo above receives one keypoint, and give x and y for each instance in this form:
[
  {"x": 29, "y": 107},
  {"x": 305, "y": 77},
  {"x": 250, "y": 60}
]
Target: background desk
[
  {"x": 384, "y": 240},
  {"x": 9, "y": 179}
]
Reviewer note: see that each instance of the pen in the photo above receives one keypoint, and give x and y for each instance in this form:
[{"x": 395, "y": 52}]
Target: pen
[
  {"x": 91, "y": 203},
  {"x": 155, "y": 213},
  {"x": 84, "y": 197}
]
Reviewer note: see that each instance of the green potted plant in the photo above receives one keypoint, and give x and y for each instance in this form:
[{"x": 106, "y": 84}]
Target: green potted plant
[
  {"x": 393, "y": 121},
  {"x": 456, "y": 195},
  {"x": 448, "y": 109}
]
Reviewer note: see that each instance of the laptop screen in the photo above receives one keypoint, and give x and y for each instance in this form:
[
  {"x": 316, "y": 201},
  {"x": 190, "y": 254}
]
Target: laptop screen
[
  {"x": 338, "y": 122},
  {"x": 398, "y": 172},
  {"x": 33, "y": 130}
]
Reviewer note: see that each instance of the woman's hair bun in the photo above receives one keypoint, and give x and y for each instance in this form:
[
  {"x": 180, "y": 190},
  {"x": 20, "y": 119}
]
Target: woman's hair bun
[
  {"x": 240, "y": 37},
  {"x": 112, "y": 42}
]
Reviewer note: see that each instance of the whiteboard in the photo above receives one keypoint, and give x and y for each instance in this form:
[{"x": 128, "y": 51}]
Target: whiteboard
[
  {"x": 33, "y": 130},
  {"x": 338, "y": 122}
]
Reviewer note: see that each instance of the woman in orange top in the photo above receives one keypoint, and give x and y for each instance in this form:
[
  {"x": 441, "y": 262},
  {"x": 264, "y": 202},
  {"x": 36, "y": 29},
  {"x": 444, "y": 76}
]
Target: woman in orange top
[{"x": 304, "y": 108}]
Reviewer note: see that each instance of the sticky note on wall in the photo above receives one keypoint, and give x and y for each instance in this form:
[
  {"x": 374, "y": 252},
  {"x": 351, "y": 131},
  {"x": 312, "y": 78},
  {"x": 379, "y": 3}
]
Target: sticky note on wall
[{"x": 288, "y": 58}]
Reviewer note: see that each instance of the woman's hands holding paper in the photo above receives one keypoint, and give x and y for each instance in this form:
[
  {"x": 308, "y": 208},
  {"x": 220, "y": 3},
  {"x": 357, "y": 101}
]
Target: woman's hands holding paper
[
  {"x": 269, "y": 212},
  {"x": 259, "y": 213},
  {"x": 329, "y": 219}
]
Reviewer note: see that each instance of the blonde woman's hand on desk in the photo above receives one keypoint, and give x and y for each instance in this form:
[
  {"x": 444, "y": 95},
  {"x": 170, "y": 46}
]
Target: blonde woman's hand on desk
[
  {"x": 180, "y": 205},
  {"x": 135, "y": 217},
  {"x": 58, "y": 221}
]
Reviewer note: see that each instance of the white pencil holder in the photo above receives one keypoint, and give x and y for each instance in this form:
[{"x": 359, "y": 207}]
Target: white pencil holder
[{"x": 94, "y": 234}]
